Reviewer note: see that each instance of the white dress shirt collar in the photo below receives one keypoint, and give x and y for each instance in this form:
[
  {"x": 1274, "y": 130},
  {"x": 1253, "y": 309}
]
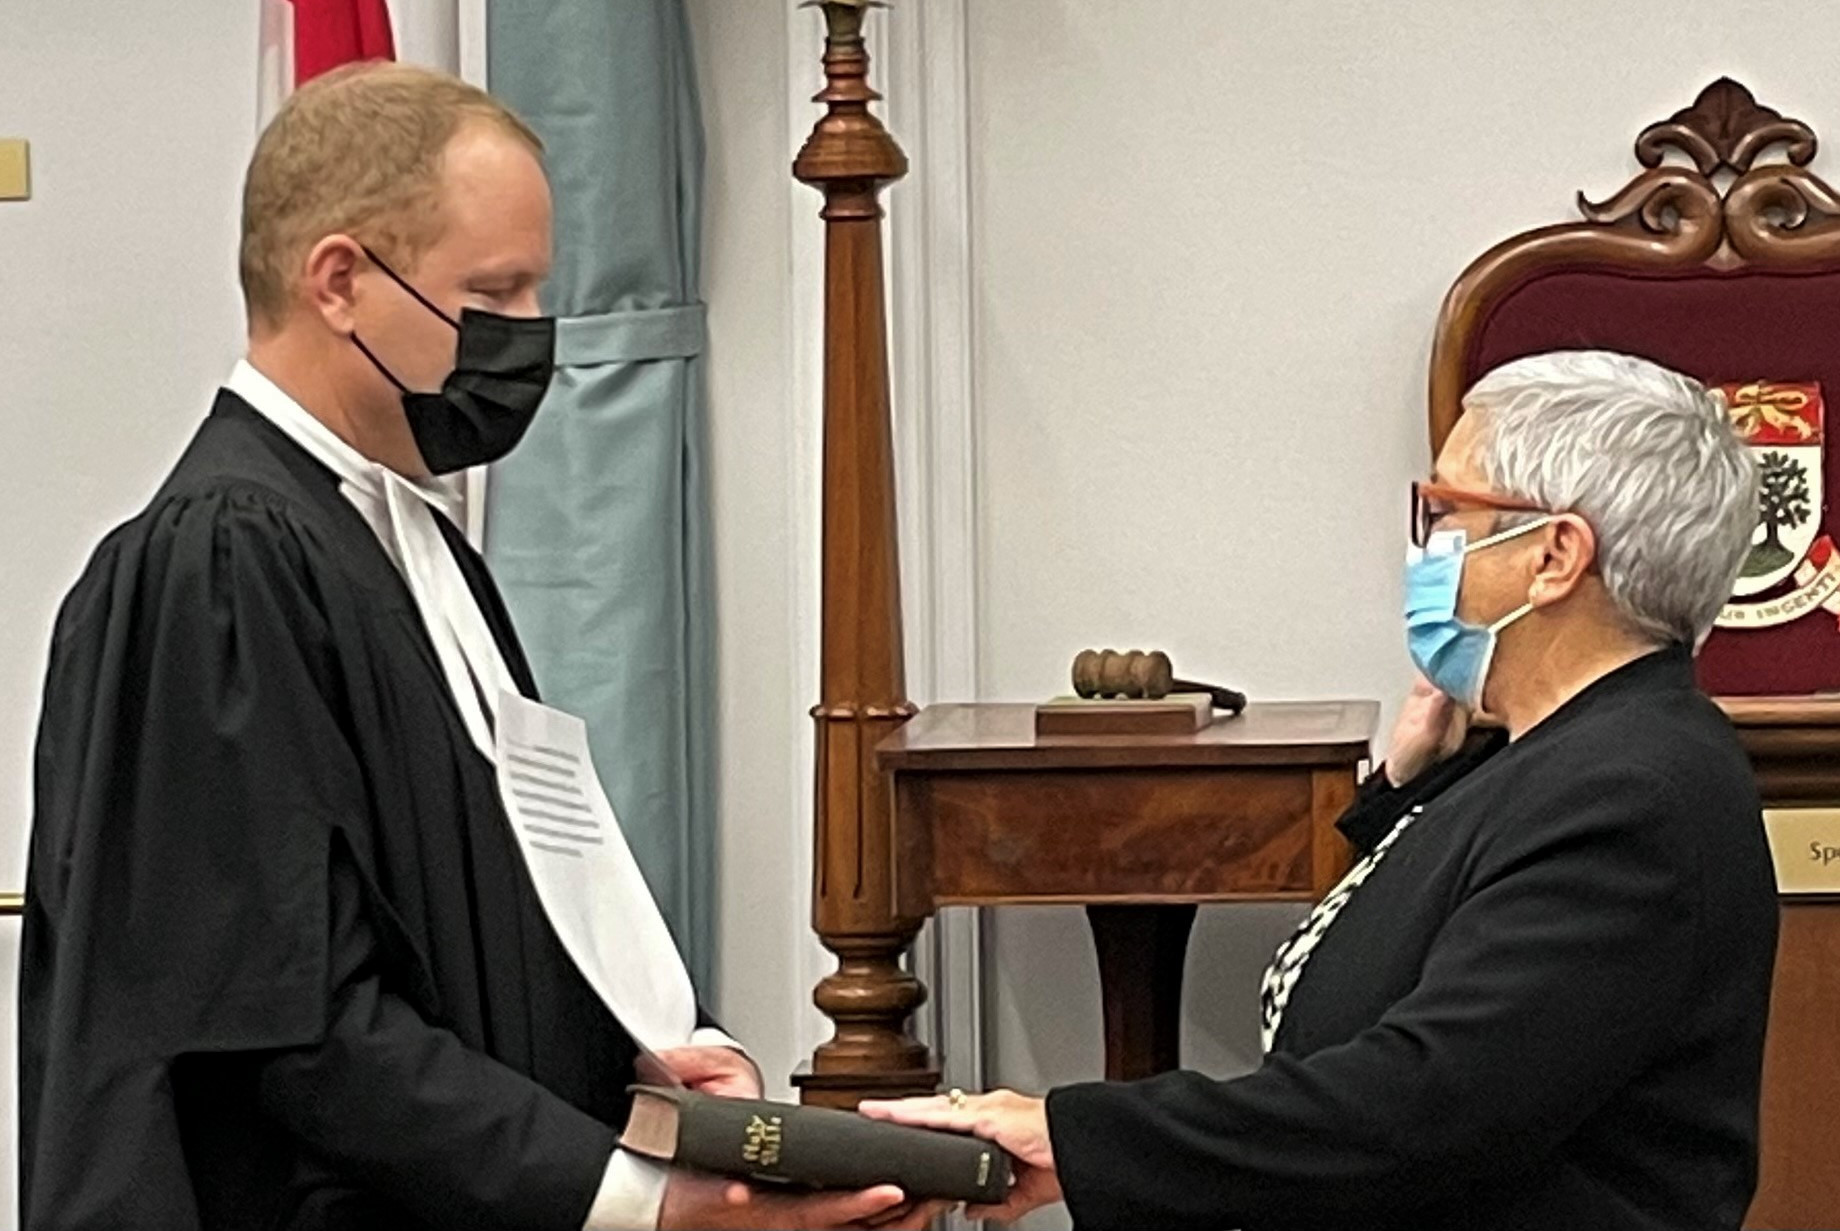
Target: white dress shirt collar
[{"x": 329, "y": 448}]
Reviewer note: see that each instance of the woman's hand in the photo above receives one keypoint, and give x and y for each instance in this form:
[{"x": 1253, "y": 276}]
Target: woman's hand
[
  {"x": 1016, "y": 1122},
  {"x": 1430, "y": 729}
]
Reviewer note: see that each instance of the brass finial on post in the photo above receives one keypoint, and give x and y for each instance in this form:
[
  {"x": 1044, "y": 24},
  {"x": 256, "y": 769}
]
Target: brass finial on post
[
  {"x": 849, "y": 149},
  {"x": 870, "y": 998}
]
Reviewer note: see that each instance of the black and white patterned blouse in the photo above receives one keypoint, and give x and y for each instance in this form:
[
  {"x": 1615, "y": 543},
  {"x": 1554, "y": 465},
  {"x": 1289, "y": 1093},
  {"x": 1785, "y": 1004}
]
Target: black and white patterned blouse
[{"x": 1288, "y": 963}]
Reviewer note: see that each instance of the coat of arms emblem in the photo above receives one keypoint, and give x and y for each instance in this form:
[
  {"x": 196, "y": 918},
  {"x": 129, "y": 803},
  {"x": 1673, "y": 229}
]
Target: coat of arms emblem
[{"x": 1792, "y": 569}]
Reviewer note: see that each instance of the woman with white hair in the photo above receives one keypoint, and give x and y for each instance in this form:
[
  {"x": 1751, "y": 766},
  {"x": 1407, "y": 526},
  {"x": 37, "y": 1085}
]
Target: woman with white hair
[{"x": 1538, "y": 1000}]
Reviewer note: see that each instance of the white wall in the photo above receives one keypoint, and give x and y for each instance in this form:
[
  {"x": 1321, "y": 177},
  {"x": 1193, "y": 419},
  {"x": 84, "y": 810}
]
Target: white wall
[
  {"x": 758, "y": 466},
  {"x": 1209, "y": 241},
  {"x": 118, "y": 306},
  {"x": 118, "y": 317}
]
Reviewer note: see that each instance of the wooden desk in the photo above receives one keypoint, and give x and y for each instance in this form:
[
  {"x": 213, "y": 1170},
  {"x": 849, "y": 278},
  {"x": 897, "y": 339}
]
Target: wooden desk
[
  {"x": 1137, "y": 829},
  {"x": 1794, "y": 744}
]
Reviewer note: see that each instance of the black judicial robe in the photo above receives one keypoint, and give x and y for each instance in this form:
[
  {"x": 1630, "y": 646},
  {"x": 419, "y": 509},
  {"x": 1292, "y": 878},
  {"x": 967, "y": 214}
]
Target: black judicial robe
[
  {"x": 1543, "y": 1011},
  {"x": 282, "y": 965}
]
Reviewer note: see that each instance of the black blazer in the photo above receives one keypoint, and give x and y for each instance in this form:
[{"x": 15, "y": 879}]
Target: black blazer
[{"x": 1543, "y": 1011}]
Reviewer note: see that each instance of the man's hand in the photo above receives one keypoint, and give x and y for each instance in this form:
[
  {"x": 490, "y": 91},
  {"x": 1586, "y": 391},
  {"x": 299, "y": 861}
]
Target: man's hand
[
  {"x": 706, "y": 1203},
  {"x": 1430, "y": 729},
  {"x": 1014, "y": 1121},
  {"x": 721, "y": 1071}
]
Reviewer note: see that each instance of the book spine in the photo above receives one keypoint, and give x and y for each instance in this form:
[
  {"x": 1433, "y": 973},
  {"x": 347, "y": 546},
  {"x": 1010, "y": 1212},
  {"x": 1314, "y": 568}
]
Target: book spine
[{"x": 781, "y": 1144}]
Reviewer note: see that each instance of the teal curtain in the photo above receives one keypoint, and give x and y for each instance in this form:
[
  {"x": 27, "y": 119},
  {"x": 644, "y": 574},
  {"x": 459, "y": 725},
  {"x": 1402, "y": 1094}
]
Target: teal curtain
[{"x": 596, "y": 527}]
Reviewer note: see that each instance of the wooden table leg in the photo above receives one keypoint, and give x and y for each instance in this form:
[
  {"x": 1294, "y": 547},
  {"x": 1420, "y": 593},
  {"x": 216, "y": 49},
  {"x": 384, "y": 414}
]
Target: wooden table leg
[{"x": 1141, "y": 952}]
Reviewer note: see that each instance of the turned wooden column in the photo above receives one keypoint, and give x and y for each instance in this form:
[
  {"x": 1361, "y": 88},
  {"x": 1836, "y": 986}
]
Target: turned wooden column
[{"x": 870, "y": 998}]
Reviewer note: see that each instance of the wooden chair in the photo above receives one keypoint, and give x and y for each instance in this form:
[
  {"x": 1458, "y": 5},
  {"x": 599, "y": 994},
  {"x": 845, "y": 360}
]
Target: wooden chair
[{"x": 1724, "y": 264}]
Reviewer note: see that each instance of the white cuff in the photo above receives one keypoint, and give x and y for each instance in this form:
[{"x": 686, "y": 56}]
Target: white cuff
[
  {"x": 709, "y": 1036},
  {"x": 632, "y": 1193},
  {"x": 632, "y": 1190}
]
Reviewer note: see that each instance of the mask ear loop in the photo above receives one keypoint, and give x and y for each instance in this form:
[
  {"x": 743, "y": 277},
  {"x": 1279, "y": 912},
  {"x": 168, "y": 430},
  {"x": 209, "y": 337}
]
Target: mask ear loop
[
  {"x": 1513, "y": 532},
  {"x": 414, "y": 294},
  {"x": 1502, "y": 537},
  {"x": 399, "y": 281},
  {"x": 378, "y": 364},
  {"x": 1511, "y": 617}
]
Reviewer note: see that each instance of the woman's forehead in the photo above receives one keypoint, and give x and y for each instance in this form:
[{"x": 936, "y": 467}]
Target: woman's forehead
[{"x": 1456, "y": 462}]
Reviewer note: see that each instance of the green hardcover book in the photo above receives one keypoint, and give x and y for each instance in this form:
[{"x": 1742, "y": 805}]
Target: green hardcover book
[{"x": 811, "y": 1147}]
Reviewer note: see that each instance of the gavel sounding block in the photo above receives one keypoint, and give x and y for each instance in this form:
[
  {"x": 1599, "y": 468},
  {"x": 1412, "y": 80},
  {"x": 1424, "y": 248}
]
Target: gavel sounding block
[{"x": 1178, "y": 714}]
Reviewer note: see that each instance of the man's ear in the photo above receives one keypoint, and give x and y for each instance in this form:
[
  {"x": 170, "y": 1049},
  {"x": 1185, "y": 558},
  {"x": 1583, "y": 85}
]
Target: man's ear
[
  {"x": 1568, "y": 552},
  {"x": 329, "y": 281}
]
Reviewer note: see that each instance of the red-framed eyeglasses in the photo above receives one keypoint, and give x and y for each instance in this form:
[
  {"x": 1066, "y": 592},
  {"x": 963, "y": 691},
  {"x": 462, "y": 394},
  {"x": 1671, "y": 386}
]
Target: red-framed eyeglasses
[{"x": 1432, "y": 501}]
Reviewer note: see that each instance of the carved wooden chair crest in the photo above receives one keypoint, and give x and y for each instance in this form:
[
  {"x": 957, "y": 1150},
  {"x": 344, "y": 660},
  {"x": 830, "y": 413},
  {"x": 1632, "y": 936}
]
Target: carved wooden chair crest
[{"x": 1721, "y": 259}]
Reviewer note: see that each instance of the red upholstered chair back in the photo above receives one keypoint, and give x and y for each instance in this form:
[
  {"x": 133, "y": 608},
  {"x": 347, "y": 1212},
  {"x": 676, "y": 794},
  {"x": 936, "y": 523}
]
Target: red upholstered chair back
[{"x": 1733, "y": 287}]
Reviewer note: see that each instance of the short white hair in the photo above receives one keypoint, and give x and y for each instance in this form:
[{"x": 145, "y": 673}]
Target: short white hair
[{"x": 1647, "y": 456}]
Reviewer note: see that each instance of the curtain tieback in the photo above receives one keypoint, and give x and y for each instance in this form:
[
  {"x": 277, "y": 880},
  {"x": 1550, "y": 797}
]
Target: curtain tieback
[{"x": 631, "y": 336}]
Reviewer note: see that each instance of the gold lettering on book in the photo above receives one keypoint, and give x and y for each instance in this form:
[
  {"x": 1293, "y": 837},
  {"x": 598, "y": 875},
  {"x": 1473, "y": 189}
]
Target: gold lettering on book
[{"x": 763, "y": 1141}]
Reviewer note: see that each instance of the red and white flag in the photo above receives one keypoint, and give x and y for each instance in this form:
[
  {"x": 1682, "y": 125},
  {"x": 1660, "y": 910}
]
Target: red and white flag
[{"x": 303, "y": 38}]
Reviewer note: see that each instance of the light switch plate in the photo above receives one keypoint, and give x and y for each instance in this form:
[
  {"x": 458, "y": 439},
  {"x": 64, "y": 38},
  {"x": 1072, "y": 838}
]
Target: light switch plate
[{"x": 15, "y": 169}]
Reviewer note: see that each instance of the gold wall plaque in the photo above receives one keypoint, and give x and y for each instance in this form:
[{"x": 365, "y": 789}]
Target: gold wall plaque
[
  {"x": 1805, "y": 842},
  {"x": 15, "y": 169}
]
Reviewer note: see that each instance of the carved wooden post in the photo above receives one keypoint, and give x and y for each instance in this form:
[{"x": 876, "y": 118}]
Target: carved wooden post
[{"x": 870, "y": 998}]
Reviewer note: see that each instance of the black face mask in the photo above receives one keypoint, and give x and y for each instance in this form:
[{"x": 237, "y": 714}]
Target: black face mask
[{"x": 502, "y": 369}]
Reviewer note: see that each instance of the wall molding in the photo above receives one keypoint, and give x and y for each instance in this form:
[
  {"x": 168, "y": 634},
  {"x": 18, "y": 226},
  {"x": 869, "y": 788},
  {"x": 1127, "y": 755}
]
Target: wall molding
[
  {"x": 470, "y": 41},
  {"x": 804, "y": 316}
]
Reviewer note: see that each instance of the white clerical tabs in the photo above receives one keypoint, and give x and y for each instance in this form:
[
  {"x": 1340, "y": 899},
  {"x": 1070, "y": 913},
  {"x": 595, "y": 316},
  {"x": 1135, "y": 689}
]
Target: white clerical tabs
[{"x": 590, "y": 885}]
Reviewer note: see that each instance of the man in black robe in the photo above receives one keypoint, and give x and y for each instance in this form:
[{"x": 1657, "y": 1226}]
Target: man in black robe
[{"x": 283, "y": 963}]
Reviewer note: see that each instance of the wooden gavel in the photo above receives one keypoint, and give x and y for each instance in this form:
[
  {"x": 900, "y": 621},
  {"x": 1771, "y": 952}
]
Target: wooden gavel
[{"x": 1136, "y": 674}]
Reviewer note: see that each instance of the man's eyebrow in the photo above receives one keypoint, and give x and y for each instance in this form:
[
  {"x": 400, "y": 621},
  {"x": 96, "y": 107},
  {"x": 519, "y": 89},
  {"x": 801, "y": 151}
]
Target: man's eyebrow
[{"x": 515, "y": 276}]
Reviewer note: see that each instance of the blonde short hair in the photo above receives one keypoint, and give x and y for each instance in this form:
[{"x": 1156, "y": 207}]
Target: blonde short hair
[{"x": 357, "y": 151}]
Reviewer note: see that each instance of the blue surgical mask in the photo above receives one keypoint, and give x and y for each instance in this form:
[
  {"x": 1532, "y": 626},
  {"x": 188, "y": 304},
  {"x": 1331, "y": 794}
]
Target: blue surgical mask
[{"x": 1452, "y": 653}]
